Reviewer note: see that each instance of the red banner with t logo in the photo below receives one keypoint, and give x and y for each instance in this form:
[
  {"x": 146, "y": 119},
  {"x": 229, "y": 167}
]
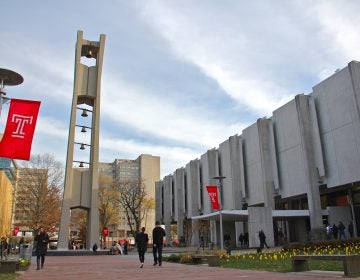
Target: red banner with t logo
[
  {"x": 213, "y": 195},
  {"x": 19, "y": 130}
]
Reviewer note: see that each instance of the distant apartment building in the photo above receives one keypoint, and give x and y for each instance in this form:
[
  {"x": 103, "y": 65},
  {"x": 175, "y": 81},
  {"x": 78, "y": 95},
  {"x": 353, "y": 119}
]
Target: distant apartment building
[
  {"x": 8, "y": 174},
  {"x": 27, "y": 178},
  {"x": 146, "y": 168}
]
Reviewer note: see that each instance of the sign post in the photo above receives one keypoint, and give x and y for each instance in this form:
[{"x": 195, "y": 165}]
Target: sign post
[
  {"x": 105, "y": 233},
  {"x": 16, "y": 230}
]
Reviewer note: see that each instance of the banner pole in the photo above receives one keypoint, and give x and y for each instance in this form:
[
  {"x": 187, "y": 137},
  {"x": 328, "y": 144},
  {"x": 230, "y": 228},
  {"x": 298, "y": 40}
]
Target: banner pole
[{"x": 219, "y": 185}]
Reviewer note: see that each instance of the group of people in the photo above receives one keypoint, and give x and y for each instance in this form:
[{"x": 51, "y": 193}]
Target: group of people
[
  {"x": 338, "y": 231},
  {"x": 244, "y": 240},
  {"x": 142, "y": 240},
  {"x": 158, "y": 234},
  {"x": 119, "y": 247}
]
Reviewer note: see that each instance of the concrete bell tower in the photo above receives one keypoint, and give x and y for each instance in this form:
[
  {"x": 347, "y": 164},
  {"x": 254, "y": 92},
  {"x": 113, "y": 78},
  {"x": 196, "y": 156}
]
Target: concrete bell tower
[{"x": 81, "y": 177}]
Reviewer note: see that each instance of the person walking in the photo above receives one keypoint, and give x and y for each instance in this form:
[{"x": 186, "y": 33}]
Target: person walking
[
  {"x": 95, "y": 247},
  {"x": 241, "y": 240},
  {"x": 202, "y": 243},
  {"x": 141, "y": 241},
  {"x": 4, "y": 246},
  {"x": 262, "y": 238},
  {"x": 42, "y": 240},
  {"x": 246, "y": 240},
  {"x": 126, "y": 244},
  {"x": 351, "y": 229},
  {"x": 158, "y": 234},
  {"x": 335, "y": 231},
  {"x": 341, "y": 228},
  {"x": 227, "y": 240}
]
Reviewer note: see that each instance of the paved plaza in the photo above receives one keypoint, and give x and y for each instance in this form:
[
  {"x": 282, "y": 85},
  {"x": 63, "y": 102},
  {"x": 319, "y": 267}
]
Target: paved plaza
[{"x": 127, "y": 267}]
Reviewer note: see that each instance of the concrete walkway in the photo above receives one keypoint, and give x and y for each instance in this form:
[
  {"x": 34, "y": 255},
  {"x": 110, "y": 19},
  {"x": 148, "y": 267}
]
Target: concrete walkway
[{"x": 117, "y": 267}]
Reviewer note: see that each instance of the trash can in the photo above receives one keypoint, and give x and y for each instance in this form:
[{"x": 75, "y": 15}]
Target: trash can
[
  {"x": 25, "y": 251},
  {"x": 211, "y": 245}
]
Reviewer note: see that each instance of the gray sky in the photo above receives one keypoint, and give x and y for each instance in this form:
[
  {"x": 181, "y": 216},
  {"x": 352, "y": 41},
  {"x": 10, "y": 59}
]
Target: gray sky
[{"x": 179, "y": 77}]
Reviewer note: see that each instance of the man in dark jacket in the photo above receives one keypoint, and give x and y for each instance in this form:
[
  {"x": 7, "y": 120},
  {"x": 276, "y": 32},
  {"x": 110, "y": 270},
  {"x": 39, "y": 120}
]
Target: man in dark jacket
[
  {"x": 262, "y": 238},
  {"x": 158, "y": 241},
  {"x": 141, "y": 241},
  {"x": 42, "y": 240}
]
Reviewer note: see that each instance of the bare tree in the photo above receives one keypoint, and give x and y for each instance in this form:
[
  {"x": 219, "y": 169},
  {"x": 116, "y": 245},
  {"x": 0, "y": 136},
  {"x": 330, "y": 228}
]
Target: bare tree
[
  {"x": 131, "y": 198},
  {"x": 39, "y": 192},
  {"x": 108, "y": 210}
]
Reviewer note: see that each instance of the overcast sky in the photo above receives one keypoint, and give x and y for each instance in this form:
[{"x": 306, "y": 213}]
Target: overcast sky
[{"x": 179, "y": 77}]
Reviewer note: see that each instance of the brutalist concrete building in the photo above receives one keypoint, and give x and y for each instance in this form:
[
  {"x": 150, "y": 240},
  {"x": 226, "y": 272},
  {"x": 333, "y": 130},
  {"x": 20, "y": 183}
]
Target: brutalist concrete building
[{"x": 292, "y": 173}]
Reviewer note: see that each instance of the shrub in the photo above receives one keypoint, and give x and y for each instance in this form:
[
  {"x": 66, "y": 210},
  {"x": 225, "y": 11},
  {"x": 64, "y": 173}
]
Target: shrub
[
  {"x": 173, "y": 258},
  {"x": 186, "y": 258},
  {"x": 24, "y": 262}
]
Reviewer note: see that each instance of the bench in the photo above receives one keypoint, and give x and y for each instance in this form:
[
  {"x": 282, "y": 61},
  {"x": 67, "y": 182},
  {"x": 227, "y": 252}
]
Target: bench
[
  {"x": 351, "y": 263},
  {"x": 211, "y": 260}
]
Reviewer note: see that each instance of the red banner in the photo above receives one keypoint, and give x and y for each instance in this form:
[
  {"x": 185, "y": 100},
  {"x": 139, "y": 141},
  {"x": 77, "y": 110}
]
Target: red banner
[
  {"x": 19, "y": 130},
  {"x": 105, "y": 231},
  {"x": 213, "y": 195}
]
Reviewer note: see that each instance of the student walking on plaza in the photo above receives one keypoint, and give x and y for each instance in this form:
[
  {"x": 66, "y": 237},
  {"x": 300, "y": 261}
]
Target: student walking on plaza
[
  {"x": 158, "y": 241},
  {"x": 262, "y": 238},
  {"x": 341, "y": 228},
  {"x": 351, "y": 229},
  {"x": 42, "y": 240},
  {"x": 141, "y": 241}
]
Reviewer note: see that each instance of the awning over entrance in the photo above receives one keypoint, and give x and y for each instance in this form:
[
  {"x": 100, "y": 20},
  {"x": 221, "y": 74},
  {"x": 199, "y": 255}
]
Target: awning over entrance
[{"x": 242, "y": 215}]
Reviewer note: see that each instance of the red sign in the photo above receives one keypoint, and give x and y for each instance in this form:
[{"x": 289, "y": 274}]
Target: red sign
[
  {"x": 213, "y": 195},
  {"x": 16, "y": 230},
  {"x": 105, "y": 231},
  {"x": 19, "y": 130}
]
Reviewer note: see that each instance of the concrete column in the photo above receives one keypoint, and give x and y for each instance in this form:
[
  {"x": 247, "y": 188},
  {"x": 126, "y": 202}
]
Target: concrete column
[
  {"x": 195, "y": 241},
  {"x": 313, "y": 194},
  {"x": 180, "y": 200},
  {"x": 210, "y": 169},
  {"x": 260, "y": 218},
  {"x": 215, "y": 232},
  {"x": 168, "y": 206},
  {"x": 268, "y": 161}
]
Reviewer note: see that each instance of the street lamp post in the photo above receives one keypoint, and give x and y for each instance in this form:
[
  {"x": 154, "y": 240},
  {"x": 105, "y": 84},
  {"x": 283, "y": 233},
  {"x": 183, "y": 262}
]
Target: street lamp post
[
  {"x": 219, "y": 186},
  {"x": 8, "y": 78}
]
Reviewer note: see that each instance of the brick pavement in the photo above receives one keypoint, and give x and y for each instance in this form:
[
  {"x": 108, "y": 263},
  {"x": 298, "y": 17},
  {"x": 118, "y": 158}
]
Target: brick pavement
[{"x": 116, "y": 267}]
